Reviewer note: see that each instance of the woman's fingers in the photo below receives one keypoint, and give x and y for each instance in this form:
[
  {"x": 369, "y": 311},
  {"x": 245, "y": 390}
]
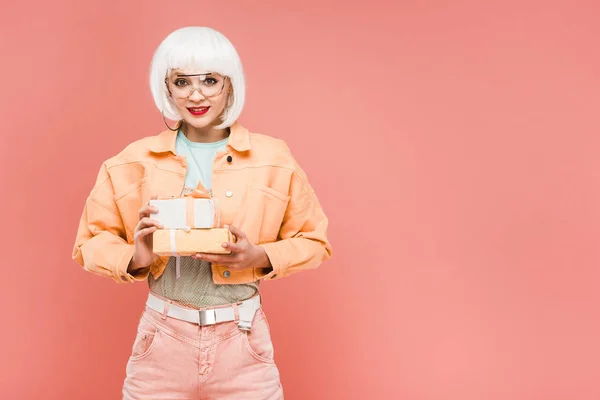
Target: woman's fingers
[
  {"x": 146, "y": 225},
  {"x": 144, "y": 232},
  {"x": 146, "y": 211},
  {"x": 220, "y": 259},
  {"x": 238, "y": 233},
  {"x": 148, "y": 222},
  {"x": 234, "y": 247}
]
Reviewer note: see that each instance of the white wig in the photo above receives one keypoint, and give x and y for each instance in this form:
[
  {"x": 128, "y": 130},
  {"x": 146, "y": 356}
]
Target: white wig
[{"x": 197, "y": 48}]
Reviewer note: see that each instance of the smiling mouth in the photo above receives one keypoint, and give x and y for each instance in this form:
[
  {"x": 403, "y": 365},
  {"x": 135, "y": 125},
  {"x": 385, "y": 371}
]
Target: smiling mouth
[{"x": 198, "y": 110}]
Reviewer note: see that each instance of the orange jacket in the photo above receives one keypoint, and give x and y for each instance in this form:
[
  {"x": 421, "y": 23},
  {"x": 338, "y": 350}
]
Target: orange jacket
[{"x": 257, "y": 183}]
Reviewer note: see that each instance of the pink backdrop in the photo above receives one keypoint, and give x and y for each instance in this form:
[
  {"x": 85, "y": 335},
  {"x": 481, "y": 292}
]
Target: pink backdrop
[{"x": 454, "y": 148}]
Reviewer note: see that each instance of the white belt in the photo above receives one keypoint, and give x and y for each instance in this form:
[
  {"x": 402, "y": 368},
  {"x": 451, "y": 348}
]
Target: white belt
[{"x": 246, "y": 311}]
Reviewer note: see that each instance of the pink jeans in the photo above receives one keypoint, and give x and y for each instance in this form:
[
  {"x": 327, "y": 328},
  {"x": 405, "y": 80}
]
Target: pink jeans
[{"x": 174, "y": 359}]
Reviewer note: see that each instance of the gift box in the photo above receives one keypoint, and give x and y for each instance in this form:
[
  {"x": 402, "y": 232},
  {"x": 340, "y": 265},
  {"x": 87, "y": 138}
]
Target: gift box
[
  {"x": 179, "y": 242},
  {"x": 195, "y": 210}
]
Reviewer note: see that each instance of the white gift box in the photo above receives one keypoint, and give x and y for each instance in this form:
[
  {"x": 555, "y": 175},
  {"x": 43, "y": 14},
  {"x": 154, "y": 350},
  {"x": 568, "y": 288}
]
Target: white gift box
[{"x": 186, "y": 213}]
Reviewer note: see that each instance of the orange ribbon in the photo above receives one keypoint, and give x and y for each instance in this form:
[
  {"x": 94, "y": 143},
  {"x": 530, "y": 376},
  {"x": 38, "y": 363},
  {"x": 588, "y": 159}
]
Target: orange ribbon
[{"x": 189, "y": 205}]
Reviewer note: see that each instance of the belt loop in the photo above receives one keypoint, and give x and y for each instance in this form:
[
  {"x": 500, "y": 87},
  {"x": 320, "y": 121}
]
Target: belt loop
[
  {"x": 246, "y": 314},
  {"x": 236, "y": 313},
  {"x": 166, "y": 310}
]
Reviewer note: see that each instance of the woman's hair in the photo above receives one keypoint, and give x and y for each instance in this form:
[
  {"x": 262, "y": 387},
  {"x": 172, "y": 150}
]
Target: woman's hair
[{"x": 197, "y": 48}]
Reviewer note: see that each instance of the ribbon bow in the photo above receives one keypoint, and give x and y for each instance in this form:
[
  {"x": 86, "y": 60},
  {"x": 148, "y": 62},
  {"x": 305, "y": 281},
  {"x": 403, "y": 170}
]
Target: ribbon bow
[{"x": 197, "y": 194}]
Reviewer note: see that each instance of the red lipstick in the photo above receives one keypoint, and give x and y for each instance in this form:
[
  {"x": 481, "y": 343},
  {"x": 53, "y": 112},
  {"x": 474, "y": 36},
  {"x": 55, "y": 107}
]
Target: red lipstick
[{"x": 198, "y": 111}]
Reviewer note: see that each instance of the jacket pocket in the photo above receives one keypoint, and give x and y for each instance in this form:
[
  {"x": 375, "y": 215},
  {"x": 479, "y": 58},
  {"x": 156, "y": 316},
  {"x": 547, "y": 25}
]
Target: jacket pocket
[{"x": 261, "y": 214}]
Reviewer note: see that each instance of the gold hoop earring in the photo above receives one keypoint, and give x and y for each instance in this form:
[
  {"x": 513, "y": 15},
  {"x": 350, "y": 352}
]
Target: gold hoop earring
[{"x": 179, "y": 123}]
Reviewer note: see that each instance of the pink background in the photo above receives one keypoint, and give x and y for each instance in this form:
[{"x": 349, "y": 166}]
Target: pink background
[{"x": 454, "y": 148}]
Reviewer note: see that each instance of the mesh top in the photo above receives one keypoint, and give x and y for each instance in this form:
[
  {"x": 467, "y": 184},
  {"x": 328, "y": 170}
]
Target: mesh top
[{"x": 195, "y": 287}]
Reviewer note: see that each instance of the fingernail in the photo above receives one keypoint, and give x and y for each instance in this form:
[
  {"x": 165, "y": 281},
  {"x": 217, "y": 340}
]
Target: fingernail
[
  {"x": 226, "y": 226},
  {"x": 225, "y": 245}
]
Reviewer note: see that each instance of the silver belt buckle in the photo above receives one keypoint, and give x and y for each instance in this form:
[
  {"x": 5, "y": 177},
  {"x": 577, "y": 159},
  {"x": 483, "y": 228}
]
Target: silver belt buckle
[
  {"x": 245, "y": 325},
  {"x": 208, "y": 317}
]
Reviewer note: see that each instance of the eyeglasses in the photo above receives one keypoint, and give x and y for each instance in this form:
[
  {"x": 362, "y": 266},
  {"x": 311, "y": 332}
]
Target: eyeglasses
[{"x": 209, "y": 84}]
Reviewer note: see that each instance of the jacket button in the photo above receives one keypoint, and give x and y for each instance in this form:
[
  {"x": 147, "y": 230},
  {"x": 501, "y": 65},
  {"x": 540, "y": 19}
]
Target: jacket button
[
  {"x": 229, "y": 159},
  {"x": 226, "y": 273},
  {"x": 228, "y": 193}
]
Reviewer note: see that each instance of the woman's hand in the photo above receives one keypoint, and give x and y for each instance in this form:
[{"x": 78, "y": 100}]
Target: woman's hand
[
  {"x": 143, "y": 256},
  {"x": 244, "y": 255}
]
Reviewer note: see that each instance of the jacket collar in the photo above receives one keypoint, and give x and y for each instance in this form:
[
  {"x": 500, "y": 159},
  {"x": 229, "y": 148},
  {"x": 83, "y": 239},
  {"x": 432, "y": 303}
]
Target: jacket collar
[{"x": 239, "y": 140}]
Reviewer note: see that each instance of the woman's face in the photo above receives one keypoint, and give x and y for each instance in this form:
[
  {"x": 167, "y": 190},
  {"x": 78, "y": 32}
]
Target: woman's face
[{"x": 199, "y": 96}]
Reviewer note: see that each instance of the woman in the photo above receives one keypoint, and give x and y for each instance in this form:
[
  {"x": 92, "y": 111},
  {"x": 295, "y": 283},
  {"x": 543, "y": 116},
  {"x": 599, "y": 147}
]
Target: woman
[{"x": 203, "y": 334}]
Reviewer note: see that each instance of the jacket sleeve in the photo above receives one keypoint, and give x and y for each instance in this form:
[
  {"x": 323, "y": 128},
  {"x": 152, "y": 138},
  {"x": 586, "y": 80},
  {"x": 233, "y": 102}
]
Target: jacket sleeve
[
  {"x": 303, "y": 242},
  {"x": 101, "y": 245}
]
